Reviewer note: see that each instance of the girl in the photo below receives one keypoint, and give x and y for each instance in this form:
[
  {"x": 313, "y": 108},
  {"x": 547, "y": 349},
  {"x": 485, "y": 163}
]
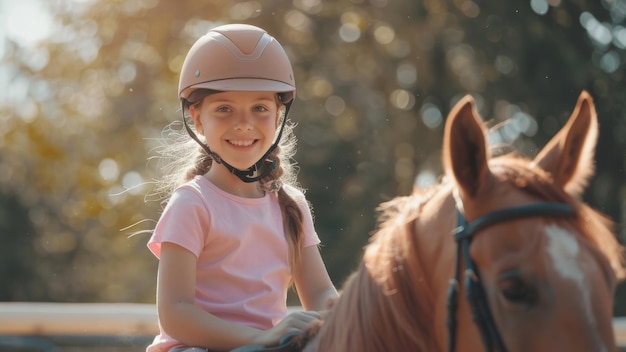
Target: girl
[{"x": 236, "y": 231}]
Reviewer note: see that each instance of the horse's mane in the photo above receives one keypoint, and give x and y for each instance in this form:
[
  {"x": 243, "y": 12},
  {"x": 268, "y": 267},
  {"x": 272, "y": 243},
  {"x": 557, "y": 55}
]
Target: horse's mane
[
  {"x": 388, "y": 305},
  {"x": 387, "y": 297}
]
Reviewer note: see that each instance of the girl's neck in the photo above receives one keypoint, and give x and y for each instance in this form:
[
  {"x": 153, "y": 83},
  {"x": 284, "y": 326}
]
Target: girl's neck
[{"x": 227, "y": 182}]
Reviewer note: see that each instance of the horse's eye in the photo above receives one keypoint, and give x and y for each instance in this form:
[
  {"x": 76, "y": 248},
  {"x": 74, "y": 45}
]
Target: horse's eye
[{"x": 515, "y": 290}]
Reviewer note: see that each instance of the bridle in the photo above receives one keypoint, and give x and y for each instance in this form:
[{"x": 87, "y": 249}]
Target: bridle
[{"x": 475, "y": 292}]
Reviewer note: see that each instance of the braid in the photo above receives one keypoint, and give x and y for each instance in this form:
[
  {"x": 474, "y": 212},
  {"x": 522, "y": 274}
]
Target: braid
[
  {"x": 292, "y": 215},
  {"x": 201, "y": 166}
]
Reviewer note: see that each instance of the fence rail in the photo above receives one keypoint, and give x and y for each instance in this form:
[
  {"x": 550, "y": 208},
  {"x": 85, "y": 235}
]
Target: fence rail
[
  {"x": 28, "y": 326},
  {"x": 82, "y": 319}
]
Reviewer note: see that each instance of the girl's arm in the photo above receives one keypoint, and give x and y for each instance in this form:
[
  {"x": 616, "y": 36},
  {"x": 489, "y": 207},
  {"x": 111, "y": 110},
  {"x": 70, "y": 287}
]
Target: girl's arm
[
  {"x": 315, "y": 289},
  {"x": 193, "y": 326}
]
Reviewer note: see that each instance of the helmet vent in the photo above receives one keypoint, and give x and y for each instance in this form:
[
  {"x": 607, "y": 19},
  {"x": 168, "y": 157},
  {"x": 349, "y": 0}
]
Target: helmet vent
[{"x": 238, "y": 53}]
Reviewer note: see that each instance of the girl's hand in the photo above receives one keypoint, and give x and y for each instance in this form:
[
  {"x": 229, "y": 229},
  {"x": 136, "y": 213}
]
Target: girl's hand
[{"x": 298, "y": 322}]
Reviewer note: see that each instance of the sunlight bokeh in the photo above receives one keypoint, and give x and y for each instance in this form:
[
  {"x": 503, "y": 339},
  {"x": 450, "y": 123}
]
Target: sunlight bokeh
[{"x": 24, "y": 23}]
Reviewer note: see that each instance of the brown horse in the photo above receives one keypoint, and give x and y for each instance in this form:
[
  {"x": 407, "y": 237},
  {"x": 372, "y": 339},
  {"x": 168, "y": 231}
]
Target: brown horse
[{"x": 540, "y": 266}]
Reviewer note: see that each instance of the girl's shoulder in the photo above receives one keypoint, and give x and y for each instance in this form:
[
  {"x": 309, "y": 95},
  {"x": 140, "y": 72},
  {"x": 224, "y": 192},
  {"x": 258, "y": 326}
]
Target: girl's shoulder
[
  {"x": 189, "y": 194},
  {"x": 293, "y": 191},
  {"x": 297, "y": 194},
  {"x": 197, "y": 190},
  {"x": 194, "y": 186}
]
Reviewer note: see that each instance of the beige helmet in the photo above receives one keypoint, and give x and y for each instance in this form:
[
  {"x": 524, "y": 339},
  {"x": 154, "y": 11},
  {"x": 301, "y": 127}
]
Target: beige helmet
[{"x": 237, "y": 57}]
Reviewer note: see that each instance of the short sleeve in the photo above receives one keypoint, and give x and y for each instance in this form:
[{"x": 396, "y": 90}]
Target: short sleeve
[{"x": 185, "y": 221}]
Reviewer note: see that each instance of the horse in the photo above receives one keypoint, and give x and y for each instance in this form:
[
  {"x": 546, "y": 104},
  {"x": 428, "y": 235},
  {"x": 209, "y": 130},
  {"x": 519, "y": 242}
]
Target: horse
[{"x": 537, "y": 266}]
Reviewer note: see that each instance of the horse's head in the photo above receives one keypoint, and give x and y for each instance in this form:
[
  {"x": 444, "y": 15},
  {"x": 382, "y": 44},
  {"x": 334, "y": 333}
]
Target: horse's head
[
  {"x": 540, "y": 265},
  {"x": 549, "y": 279}
]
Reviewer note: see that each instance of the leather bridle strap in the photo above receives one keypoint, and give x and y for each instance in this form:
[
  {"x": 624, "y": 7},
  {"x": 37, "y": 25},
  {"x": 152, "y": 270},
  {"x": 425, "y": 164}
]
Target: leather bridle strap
[{"x": 474, "y": 289}]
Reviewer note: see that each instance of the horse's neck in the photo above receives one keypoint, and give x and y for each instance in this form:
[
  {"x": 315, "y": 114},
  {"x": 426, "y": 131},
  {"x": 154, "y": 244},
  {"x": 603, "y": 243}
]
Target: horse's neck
[
  {"x": 437, "y": 251},
  {"x": 433, "y": 230}
]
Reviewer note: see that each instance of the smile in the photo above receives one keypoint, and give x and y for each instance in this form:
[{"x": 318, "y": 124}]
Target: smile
[{"x": 242, "y": 143}]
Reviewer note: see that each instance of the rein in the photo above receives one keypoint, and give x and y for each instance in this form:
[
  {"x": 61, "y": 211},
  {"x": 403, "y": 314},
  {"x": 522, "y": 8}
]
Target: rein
[{"x": 475, "y": 292}]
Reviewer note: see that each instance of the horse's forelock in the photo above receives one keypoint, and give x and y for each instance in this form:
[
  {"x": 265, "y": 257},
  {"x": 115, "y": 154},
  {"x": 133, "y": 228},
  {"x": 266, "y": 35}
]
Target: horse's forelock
[{"x": 595, "y": 227}]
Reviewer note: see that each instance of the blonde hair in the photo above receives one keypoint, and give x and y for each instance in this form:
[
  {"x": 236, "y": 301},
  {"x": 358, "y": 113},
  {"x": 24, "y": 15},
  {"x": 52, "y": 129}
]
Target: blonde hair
[{"x": 180, "y": 159}]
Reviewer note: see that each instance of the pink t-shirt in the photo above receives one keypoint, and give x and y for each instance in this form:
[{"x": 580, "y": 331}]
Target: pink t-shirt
[{"x": 242, "y": 272}]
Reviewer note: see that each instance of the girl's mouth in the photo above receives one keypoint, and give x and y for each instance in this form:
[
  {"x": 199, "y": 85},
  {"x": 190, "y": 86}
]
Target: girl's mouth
[{"x": 242, "y": 142}]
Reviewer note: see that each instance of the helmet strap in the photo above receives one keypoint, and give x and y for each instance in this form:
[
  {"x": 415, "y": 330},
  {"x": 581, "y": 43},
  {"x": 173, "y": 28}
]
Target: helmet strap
[{"x": 262, "y": 167}]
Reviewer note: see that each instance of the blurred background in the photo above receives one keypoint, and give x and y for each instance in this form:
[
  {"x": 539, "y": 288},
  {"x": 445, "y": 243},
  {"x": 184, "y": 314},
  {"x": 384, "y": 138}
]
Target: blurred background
[{"x": 87, "y": 86}]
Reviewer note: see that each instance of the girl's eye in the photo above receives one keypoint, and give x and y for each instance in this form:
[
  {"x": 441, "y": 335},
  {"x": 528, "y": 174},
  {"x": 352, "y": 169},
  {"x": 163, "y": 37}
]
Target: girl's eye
[
  {"x": 260, "y": 108},
  {"x": 223, "y": 109}
]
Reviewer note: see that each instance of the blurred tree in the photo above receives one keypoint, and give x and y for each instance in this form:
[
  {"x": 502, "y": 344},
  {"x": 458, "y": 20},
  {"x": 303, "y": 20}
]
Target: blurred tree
[
  {"x": 18, "y": 264},
  {"x": 375, "y": 81}
]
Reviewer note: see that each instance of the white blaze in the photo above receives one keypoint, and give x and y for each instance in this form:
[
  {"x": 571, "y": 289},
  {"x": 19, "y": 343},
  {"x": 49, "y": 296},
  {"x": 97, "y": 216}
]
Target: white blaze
[{"x": 563, "y": 249}]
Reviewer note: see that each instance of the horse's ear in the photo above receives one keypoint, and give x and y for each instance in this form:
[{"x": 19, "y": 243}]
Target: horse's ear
[
  {"x": 465, "y": 152},
  {"x": 569, "y": 156}
]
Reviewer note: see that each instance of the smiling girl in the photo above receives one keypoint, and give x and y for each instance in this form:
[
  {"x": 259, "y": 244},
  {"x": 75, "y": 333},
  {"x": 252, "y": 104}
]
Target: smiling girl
[{"x": 236, "y": 230}]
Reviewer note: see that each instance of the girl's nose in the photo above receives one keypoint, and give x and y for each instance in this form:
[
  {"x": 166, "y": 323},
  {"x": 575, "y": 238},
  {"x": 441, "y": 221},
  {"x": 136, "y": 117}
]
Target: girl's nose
[{"x": 244, "y": 122}]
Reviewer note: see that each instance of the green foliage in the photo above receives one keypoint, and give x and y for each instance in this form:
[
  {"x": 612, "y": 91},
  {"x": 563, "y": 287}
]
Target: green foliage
[{"x": 375, "y": 81}]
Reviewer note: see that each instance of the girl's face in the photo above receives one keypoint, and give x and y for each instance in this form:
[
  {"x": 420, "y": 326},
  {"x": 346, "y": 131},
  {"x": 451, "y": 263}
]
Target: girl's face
[{"x": 239, "y": 126}]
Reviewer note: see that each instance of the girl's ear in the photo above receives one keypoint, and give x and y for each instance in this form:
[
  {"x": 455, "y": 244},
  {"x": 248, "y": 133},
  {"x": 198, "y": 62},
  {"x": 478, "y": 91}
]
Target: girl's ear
[
  {"x": 279, "y": 113},
  {"x": 194, "y": 111}
]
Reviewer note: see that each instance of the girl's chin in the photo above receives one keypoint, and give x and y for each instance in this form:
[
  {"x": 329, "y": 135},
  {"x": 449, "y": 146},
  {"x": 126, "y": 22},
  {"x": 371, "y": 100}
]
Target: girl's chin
[{"x": 241, "y": 165}]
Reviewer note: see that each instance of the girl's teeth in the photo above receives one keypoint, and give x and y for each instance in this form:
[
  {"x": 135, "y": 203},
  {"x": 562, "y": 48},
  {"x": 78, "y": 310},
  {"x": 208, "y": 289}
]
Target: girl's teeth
[{"x": 241, "y": 143}]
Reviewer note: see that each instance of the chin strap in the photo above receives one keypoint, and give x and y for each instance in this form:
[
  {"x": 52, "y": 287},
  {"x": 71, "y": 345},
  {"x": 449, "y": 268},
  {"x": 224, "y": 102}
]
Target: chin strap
[{"x": 261, "y": 168}]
